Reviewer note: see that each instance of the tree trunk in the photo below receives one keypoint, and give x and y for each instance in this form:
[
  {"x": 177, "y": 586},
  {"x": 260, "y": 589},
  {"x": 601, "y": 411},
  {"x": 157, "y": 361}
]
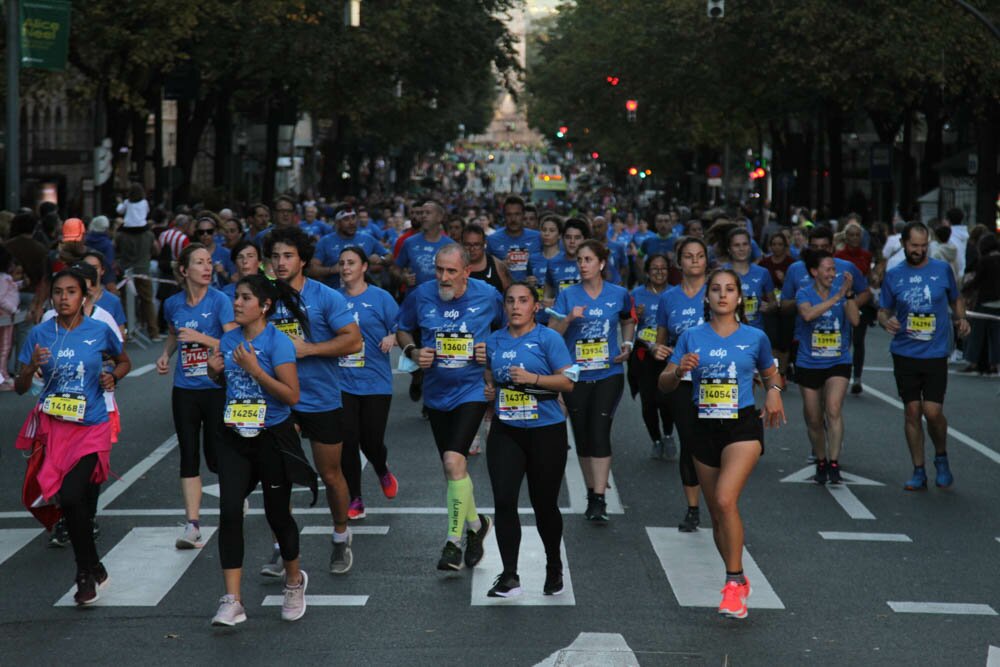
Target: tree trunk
[
  {"x": 159, "y": 175},
  {"x": 987, "y": 179},
  {"x": 191, "y": 123},
  {"x": 223, "y": 123},
  {"x": 270, "y": 151},
  {"x": 834, "y": 137},
  {"x": 906, "y": 198},
  {"x": 139, "y": 145},
  {"x": 934, "y": 147}
]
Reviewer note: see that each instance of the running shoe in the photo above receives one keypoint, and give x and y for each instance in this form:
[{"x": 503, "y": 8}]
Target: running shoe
[
  {"x": 95, "y": 529},
  {"x": 342, "y": 558},
  {"x": 474, "y": 541},
  {"x": 553, "y": 581},
  {"x": 591, "y": 510},
  {"x": 423, "y": 414},
  {"x": 100, "y": 576},
  {"x": 833, "y": 474},
  {"x": 599, "y": 512},
  {"x": 657, "y": 450},
  {"x": 356, "y": 510},
  {"x": 669, "y": 448},
  {"x": 230, "y": 612},
  {"x": 274, "y": 567},
  {"x": 691, "y": 521},
  {"x": 734, "y": 599},
  {"x": 856, "y": 388},
  {"x": 293, "y": 607},
  {"x": 451, "y": 557},
  {"x": 919, "y": 480},
  {"x": 86, "y": 589},
  {"x": 390, "y": 485},
  {"x": 820, "y": 476},
  {"x": 505, "y": 586},
  {"x": 944, "y": 478},
  {"x": 59, "y": 536},
  {"x": 190, "y": 538}
]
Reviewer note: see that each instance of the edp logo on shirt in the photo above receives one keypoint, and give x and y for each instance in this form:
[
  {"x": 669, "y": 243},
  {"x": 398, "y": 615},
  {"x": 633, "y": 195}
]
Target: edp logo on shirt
[
  {"x": 510, "y": 354},
  {"x": 688, "y": 311},
  {"x": 595, "y": 312},
  {"x": 451, "y": 314},
  {"x": 721, "y": 353},
  {"x": 66, "y": 354},
  {"x": 191, "y": 324}
]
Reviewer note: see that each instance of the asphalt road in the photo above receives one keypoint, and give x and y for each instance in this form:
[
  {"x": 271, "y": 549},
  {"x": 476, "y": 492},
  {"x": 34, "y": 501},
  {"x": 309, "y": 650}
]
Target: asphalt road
[{"x": 914, "y": 588}]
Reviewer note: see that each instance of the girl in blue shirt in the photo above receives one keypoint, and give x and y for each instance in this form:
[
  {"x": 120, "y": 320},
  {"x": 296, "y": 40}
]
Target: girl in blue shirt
[
  {"x": 196, "y": 319},
  {"x": 823, "y": 362},
  {"x": 593, "y": 311},
  {"x": 527, "y": 367},
  {"x": 71, "y": 419},
  {"x": 722, "y": 356},
  {"x": 366, "y": 379},
  {"x": 680, "y": 308},
  {"x": 256, "y": 363}
]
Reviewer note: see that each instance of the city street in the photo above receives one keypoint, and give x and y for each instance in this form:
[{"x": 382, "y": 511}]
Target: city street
[{"x": 863, "y": 574}]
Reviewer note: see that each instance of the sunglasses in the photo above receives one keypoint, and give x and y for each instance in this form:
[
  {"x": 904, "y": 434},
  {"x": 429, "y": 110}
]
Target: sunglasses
[{"x": 206, "y": 231}]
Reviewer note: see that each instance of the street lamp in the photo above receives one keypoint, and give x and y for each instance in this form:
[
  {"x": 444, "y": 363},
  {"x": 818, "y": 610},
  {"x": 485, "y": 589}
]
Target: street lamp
[{"x": 352, "y": 13}]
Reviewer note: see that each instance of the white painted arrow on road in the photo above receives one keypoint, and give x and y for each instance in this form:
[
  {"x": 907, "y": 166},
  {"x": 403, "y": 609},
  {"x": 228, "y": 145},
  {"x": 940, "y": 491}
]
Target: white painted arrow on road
[{"x": 843, "y": 495}]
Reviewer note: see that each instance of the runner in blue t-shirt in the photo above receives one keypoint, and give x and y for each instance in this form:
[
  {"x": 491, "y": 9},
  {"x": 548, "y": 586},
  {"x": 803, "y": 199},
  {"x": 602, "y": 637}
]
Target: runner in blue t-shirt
[
  {"x": 325, "y": 265},
  {"x": 256, "y": 363},
  {"x": 617, "y": 269},
  {"x": 69, "y": 351},
  {"x": 722, "y": 356},
  {"x": 527, "y": 367},
  {"x": 660, "y": 243},
  {"x": 101, "y": 296},
  {"x": 680, "y": 308},
  {"x": 915, "y": 300},
  {"x": 327, "y": 332},
  {"x": 563, "y": 271},
  {"x": 454, "y": 315},
  {"x": 592, "y": 313},
  {"x": 196, "y": 318},
  {"x": 415, "y": 262},
  {"x": 366, "y": 379},
  {"x": 644, "y": 368},
  {"x": 823, "y": 362},
  {"x": 514, "y": 244},
  {"x": 758, "y": 288}
]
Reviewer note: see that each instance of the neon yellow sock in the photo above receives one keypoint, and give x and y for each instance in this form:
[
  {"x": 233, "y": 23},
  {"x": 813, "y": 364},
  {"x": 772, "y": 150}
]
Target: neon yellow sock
[
  {"x": 471, "y": 513},
  {"x": 457, "y": 491}
]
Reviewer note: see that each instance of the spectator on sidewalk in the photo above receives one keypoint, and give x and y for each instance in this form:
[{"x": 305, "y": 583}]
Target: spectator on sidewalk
[{"x": 134, "y": 248}]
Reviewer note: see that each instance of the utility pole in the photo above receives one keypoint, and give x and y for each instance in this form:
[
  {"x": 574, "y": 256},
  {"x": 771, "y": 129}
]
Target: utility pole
[{"x": 12, "y": 141}]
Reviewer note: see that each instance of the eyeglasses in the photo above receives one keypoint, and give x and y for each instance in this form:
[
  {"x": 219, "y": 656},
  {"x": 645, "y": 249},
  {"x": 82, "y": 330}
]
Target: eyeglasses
[{"x": 206, "y": 231}]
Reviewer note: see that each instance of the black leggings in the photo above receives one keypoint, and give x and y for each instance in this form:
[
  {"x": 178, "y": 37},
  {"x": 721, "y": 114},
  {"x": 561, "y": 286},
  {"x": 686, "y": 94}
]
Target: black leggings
[
  {"x": 365, "y": 418},
  {"x": 198, "y": 416},
  {"x": 858, "y": 340},
  {"x": 591, "y": 407},
  {"x": 540, "y": 454},
  {"x": 455, "y": 429},
  {"x": 684, "y": 414},
  {"x": 655, "y": 408},
  {"x": 74, "y": 499},
  {"x": 243, "y": 462}
]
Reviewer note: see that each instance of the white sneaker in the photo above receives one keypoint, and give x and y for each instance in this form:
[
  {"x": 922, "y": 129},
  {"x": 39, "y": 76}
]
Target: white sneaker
[
  {"x": 294, "y": 605},
  {"x": 275, "y": 567},
  {"x": 230, "y": 612},
  {"x": 190, "y": 539}
]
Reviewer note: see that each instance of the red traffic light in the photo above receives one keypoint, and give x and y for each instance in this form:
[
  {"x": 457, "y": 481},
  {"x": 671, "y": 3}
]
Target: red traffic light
[
  {"x": 595, "y": 155},
  {"x": 759, "y": 172},
  {"x": 613, "y": 80},
  {"x": 632, "y": 171},
  {"x": 631, "y": 105},
  {"x": 563, "y": 129}
]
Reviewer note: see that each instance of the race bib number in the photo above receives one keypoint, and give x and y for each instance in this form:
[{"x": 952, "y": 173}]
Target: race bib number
[
  {"x": 246, "y": 415},
  {"x": 750, "y": 306},
  {"x": 289, "y": 326},
  {"x": 826, "y": 344},
  {"x": 517, "y": 259},
  {"x": 569, "y": 282},
  {"x": 356, "y": 360},
  {"x": 718, "y": 399},
  {"x": 453, "y": 349},
  {"x": 67, "y": 406},
  {"x": 592, "y": 354},
  {"x": 920, "y": 326},
  {"x": 194, "y": 360},
  {"x": 648, "y": 335},
  {"x": 517, "y": 405}
]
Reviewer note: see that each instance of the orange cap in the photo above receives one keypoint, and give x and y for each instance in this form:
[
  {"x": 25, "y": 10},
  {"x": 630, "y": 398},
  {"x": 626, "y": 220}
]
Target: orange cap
[{"x": 73, "y": 230}]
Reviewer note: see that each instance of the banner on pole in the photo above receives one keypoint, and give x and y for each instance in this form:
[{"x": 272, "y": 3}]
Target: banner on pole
[{"x": 45, "y": 33}]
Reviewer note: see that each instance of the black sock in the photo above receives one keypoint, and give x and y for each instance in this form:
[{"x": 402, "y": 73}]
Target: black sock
[
  {"x": 599, "y": 496},
  {"x": 915, "y": 468},
  {"x": 693, "y": 509},
  {"x": 735, "y": 576}
]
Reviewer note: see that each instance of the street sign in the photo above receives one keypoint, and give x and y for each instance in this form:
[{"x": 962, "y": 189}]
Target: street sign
[
  {"x": 713, "y": 170},
  {"x": 715, "y": 182},
  {"x": 102, "y": 162},
  {"x": 45, "y": 34}
]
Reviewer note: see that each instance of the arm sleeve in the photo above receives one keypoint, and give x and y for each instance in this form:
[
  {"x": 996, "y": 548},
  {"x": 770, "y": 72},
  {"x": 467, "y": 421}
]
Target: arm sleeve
[
  {"x": 226, "y": 314},
  {"x": 681, "y": 348},
  {"x": 887, "y": 299},
  {"x": 767, "y": 284},
  {"x": 661, "y": 311},
  {"x": 560, "y": 305},
  {"x": 407, "y": 318},
  {"x": 860, "y": 282},
  {"x": 336, "y": 312},
  {"x": 627, "y": 311},
  {"x": 321, "y": 253},
  {"x": 953, "y": 292},
  {"x": 283, "y": 352},
  {"x": 112, "y": 340},
  {"x": 24, "y": 356},
  {"x": 765, "y": 357},
  {"x": 556, "y": 351},
  {"x": 390, "y": 312},
  {"x": 403, "y": 258}
]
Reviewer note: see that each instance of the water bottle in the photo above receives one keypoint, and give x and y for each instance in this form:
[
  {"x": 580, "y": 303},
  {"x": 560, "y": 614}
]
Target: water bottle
[{"x": 36, "y": 385}]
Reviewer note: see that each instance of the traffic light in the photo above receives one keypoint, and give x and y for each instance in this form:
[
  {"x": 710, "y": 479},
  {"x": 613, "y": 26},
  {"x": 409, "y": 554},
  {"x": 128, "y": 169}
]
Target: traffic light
[
  {"x": 595, "y": 155},
  {"x": 716, "y": 9},
  {"x": 759, "y": 172},
  {"x": 631, "y": 105},
  {"x": 613, "y": 80},
  {"x": 633, "y": 171},
  {"x": 562, "y": 132}
]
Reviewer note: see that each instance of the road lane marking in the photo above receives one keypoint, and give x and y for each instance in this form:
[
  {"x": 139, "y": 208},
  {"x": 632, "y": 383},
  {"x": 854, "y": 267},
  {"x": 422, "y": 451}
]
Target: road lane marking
[
  {"x": 214, "y": 511},
  {"x": 531, "y": 570},
  {"x": 594, "y": 648},
  {"x": 321, "y": 600},
  {"x": 142, "y": 370},
  {"x": 356, "y": 530},
  {"x": 993, "y": 657},
  {"x": 849, "y": 502},
  {"x": 143, "y": 568},
  {"x": 696, "y": 572},
  {"x": 13, "y": 540},
  {"x": 956, "y": 608},
  {"x": 577, "y": 488},
  {"x": 957, "y": 435},
  {"x": 805, "y": 476},
  {"x": 135, "y": 472},
  {"x": 864, "y": 537}
]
